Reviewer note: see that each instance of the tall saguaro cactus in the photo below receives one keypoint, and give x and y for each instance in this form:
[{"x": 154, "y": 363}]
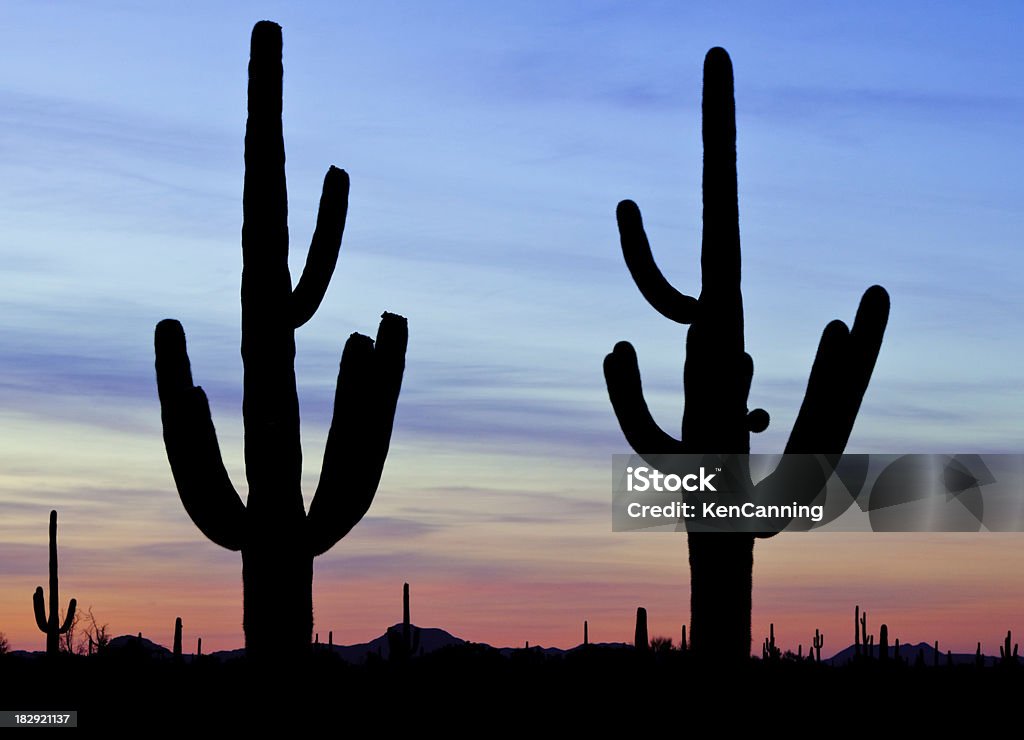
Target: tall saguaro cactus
[
  {"x": 717, "y": 373},
  {"x": 52, "y": 626},
  {"x": 276, "y": 536}
]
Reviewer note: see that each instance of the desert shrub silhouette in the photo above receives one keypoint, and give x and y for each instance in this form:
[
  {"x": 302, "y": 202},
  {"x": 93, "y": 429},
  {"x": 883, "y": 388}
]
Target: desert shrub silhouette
[
  {"x": 276, "y": 536},
  {"x": 717, "y": 374},
  {"x": 51, "y": 626}
]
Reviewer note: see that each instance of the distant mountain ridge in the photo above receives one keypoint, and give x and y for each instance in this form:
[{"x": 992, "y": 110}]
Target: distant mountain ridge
[{"x": 435, "y": 638}]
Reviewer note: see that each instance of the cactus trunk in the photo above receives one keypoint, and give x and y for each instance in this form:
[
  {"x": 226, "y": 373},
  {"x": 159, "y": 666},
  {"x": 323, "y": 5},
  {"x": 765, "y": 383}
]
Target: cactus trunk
[
  {"x": 177, "y": 638},
  {"x": 721, "y": 581},
  {"x": 277, "y": 613},
  {"x": 277, "y": 538}
]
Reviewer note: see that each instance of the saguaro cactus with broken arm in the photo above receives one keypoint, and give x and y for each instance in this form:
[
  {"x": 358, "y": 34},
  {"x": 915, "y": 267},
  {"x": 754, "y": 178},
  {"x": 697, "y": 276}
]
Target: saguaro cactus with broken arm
[
  {"x": 277, "y": 538},
  {"x": 717, "y": 373}
]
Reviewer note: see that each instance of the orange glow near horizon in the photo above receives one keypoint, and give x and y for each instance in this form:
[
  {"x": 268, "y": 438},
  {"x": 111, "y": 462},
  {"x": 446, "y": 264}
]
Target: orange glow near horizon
[{"x": 493, "y": 563}]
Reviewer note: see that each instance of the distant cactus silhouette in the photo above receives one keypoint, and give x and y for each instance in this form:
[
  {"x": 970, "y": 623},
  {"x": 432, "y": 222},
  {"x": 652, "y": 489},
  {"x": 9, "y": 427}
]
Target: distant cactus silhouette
[
  {"x": 52, "y": 627},
  {"x": 769, "y": 651},
  {"x": 405, "y": 644},
  {"x": 856, "y": 631},
  {"x": 883, "y": 642},
  {"x": 177, "y": 638},
  {"x": 1008, "y": 657},
  {"x": 640, "y": 641},
  {"x": 717, "y": 373},
  {"x": 278, "y": 540},
  {"x": 819, "y": 643},
  {"x": 682, "y": 642},
  {"x": 199, "y": 647},
  {"x": 586, "y": 633}
]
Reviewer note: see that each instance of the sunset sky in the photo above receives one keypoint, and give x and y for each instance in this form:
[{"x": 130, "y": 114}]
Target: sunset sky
[{"x": 488, "y": 145}]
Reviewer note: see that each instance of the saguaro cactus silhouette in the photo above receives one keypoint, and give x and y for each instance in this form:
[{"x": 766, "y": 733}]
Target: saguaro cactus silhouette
[
  {"x": 52, "y": 626},
  {"x": 276, "y": 536},
  {"x": 640, "y": 641},
  {"x": 405, "y": 644},
  {"x": 177, "y": 638},
  {"x": 717, "y": 373}
]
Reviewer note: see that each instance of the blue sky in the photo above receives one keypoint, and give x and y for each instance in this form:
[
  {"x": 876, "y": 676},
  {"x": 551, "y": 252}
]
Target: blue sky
[{"x": 488, "y": 147}]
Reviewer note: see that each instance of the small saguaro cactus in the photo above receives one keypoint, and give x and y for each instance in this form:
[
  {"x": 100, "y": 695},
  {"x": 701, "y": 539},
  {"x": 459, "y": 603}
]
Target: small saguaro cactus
[
  {"x": 640, "y": 641},
  {"x": 935, "y": 654},
  {"x": 717, "y": 376},
  {"x": 586, "y": 634},
  {"x": 883, "y": 642},
  {"x": 1008, "y": 657},
  {"x": 856, "y": 631},
  {"x": 405, "y": 644},
  {"x": 177, "y": 638},
  {"x": 682, "y": 642},
  {"x": 819, "y": 643},
  {"x": 769, "y": 651},
  {"x": 896, "y": 650},
  {"x": 51, "y": 626},
  {"x": 277, "y": 538},
  {"x": 866, "y": 639},
  {"x": 199, "y": 647}
]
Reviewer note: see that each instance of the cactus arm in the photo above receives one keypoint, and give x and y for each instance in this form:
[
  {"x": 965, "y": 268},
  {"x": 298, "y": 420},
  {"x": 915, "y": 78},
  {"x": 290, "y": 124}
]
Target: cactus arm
[
  {"x": 39, "y": 607},
  {"x": 323, "y": 255},
  {"x": 270, "y": 405},
  {"x": 839, "y": 378},
  {"x": 69, "y": 617},
  {"x": 191, "y": 442},
  {"x": 622, "y": 375},
  {"x": 324, "y": 248},
  {"x": 636, "y": 250},
  {"x": 369, "y": 380}
]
